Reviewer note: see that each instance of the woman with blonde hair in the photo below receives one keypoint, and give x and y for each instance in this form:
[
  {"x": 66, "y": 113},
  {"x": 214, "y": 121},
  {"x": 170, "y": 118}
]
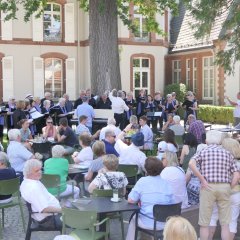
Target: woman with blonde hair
[
  {"x": 175, "y": 176},
  {"x": 233, "y": 146},
  {"x": 179, "y": 228}
]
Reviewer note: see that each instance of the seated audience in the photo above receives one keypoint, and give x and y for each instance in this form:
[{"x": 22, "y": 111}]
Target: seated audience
[
  {"x": 66, "y": 136},
  {"x": 109, "y": 177},
  {"x": 177, "y": 127},
  {"x": 6, "y": 173},
  {"x": 98, "y": 149},
  {"x": 16, "y": 152},
  {"x": 43, "y": 203},
  {"x": 85, "y": 156},
  {"x": 132, "y": 155},
  {"x": 109, "y": 142},
  {"x": 25, "y": 131},
  {"x": 59, "y": 166},
  {"x": 50, "y": 131},
  {"x": 147, "y": 133},
  {"x": 81, "y": 128},
  {"x": 179, "y": 228},
  {"x": 175, "y": 176},
  {"x": 134, "y": 121},
  {"x": 188, "y": 150},
  {"x": 196, "y": 127},
  {"x": 233, "y": 147},
  {"x": 168, "y": 143},
  {"x": 110, "y": 126},
  {"x": 148, "y": 191},
  {"x": 168, "y": 123}
]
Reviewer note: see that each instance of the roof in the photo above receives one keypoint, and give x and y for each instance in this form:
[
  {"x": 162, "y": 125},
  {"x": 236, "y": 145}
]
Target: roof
[{"x": 182, "y": 35}]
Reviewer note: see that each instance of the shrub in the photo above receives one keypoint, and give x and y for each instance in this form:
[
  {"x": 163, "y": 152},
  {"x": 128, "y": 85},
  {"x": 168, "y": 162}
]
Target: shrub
[
  {"x": 215, "y": 114},
  {"x": 179, "y": 89}
]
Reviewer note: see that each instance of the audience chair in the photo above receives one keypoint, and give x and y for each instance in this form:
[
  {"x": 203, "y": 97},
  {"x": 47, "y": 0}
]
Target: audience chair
[
  {"x": 34, "y": 226},
  {"x": 11, "y": 187},
  {"x": 131, "y": 172},
  {"x": 109, "y": 193},
  {"x": 53, "y": 181},
  {"x": 84, "y": 223},
  {"x": 160, "y": 214}
]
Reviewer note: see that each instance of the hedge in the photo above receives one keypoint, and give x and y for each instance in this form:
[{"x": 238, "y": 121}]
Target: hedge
[{"x": 215, "y": 114}]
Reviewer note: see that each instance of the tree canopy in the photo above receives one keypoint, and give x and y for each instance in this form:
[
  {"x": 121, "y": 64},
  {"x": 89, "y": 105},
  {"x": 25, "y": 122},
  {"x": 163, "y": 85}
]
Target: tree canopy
[{"x": 205, "y": 12}]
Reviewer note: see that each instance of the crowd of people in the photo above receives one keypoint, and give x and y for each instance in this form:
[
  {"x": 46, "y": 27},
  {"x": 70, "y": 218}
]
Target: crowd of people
[{"x": 203, "y": 168}]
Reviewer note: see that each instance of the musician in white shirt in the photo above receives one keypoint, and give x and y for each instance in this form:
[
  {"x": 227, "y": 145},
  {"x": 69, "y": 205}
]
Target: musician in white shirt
[{"x": 118, "y": 107}]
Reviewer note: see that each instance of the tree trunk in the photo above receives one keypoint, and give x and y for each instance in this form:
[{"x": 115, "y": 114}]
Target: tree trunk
[{"x": 104, "y": 56}]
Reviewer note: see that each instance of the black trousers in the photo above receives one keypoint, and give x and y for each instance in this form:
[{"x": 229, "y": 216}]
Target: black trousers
[{"x": 120, "y": 120}]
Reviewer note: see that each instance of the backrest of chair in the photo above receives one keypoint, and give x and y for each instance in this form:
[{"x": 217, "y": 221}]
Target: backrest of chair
[
  {"x": 10, "y": 186},
  {"x": 129, "y": 170},
  {"x": 50, "y": 180},
  {"x": 78, "y": 219},
  {"x": 179, "y": 139},
  {"x": 102, "y": 193},
  {"x": 162, "y": 212}
]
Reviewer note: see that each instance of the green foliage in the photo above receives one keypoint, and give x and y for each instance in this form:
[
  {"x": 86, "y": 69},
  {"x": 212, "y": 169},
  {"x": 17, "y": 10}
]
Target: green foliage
[
  {"x": 179, "y": 89},
  {"x": 215, "y": 114},
  {"x": 205, "y": 12}
]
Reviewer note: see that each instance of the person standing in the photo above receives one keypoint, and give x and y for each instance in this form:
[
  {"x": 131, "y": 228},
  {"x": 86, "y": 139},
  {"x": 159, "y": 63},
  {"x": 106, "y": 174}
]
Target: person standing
[
  {"x": 10, "y": 107},
  {"x": 118, "y": 107},
  {"x": 219, "y": 172},
  {"x": 236, "y": 112},
  {"x": 140, "y": 103},
  {"x": 68, "y": 103},
  {"x": 87, "y": 110}
]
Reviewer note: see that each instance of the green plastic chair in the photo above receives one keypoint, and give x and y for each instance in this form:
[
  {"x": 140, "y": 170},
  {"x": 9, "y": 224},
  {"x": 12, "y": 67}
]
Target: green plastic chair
[
  {"x": 11, "y": 187},
  {"x": 109, "y": 193},
  {"x": 130, "y": 171},
  {"x": 84, "y": 223}
]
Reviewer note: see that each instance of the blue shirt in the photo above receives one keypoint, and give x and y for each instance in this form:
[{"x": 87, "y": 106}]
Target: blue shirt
[
  {"x": 81, "y": 128},
  {"x": 110, "y": 148},
  {"x": 87, "y": 110},
  {"x": 149, "y": 191}
]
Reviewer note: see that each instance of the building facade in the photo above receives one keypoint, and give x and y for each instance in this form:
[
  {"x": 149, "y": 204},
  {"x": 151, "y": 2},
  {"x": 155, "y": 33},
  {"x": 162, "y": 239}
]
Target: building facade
[{"x": 51, "y": 53}]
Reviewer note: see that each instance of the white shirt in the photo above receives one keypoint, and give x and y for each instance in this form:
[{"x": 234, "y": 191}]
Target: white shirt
[
  {"x": 34, "y": 192},
  {"x": 132, "y": 155},
  {"x": 236, "y": 111},
  {"x": 118, "y": 105},
  {"x": 111, "y": 127},
  {"x": 148, "y": 136},
  {"x": 85, "y": 156},
  {"x": 17, "y": 155},
  {"x": 175, "y": 176}
]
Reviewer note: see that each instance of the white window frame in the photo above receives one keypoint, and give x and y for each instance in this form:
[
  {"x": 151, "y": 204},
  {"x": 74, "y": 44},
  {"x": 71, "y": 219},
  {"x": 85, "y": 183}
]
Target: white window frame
[
  {"x": 52, "y": 13},
  {"x": 176, "y": 70},
  {"x": 194, "y": 75},
  {"x": 141, "y": 69},
  {"x": 210, "y": 80},
  {"x": 188, "y": 74},
  {"x": 140, "y": 17}
]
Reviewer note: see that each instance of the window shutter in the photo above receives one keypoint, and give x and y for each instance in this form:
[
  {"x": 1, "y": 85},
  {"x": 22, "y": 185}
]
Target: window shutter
[
  {"x": 69, "y": 23},
  {"x": 38, "y": 77},
  {"x": 6, "y": 27},
  {"x": 7, "y": 69},
  {"x": 37, "y": 28},
  {"x": 71, "y": 78}
]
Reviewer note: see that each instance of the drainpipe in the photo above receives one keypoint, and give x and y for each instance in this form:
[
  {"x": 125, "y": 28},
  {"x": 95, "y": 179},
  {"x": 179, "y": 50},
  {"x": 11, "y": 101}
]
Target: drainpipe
[
  {"x": 214, "y": 77},
  {"x": 78, "y": 51}
]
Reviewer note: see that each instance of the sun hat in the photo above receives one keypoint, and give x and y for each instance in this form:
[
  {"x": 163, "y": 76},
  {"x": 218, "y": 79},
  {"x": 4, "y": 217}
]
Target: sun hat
[{"x": 138, "y": 139}]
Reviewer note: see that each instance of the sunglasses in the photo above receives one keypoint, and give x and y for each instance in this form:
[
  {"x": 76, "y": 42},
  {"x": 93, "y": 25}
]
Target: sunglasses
[
  {"x": 114, "y": 136},
  {"x": 49, "y": 122}
]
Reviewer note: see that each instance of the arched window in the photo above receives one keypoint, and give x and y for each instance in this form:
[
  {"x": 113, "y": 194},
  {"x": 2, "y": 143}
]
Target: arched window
[
  {"x": 52, "y": 22},
  {"x": 53, "y": 77}
]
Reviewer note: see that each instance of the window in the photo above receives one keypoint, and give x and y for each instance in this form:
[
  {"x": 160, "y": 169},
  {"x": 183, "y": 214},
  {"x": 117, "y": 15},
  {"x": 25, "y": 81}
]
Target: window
[
  {"x": 141, "y": 75},
  {"x": 53, "y": 77},
  {"x": 52, "y": 26},
  {"x": 194, "y": 75},
  {"x": 176, "y": 65},
  {"x": 208, "y": 78},
  {"x": 139, "y": 21},
  {"x": 188, "y": 73}
]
